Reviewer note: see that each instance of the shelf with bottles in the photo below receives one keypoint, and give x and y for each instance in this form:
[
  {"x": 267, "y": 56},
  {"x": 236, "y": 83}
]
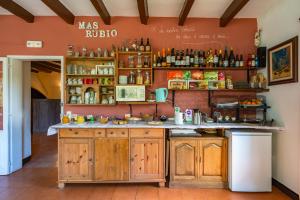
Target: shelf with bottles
[{"x": 205, "y": 68}]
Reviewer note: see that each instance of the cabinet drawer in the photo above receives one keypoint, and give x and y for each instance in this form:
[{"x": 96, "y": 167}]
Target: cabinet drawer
[
  {"x": 147, "y": 133},
  {"x": 118, "y": 132},
  {"x": 76, "y": 133},
  {"x": 100, "y": 132}
]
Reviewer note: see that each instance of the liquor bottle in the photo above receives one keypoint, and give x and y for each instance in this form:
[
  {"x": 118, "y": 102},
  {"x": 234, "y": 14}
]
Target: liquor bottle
[
  {"x": 256, "y": 61},
  {"x": 225, "y": 62},
  {"x": 196, "y": 59},
  {"x": 173, "y": 57},
  {"x": 142, "y": 47},
  {"x": 237, "y": 61},
  {"x": 187, "y": 58},
  {"x": 163, "y": 58},
  {"x": 169, "y": 58},
  {"x": 231, "y": 58},
  {"x": 192, "y": 56},
  {"x": 177, "y": 61},
  {"x": 200, "y": 58},
  {"x": 182, "y": 59},
  {"x": 204, "y": 60},
  {"x": 158, "y": 61},
  {"x": 241, "y": 61},
  {"x": 216, "y": 59},
  {"x": 148, "y": 47},
  {"x": 210, "y": 58},
  {"x": 220, "y": 59},
  {"x": 154, "y": 61}
]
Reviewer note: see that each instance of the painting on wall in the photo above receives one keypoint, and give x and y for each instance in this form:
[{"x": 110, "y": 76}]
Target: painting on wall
[{"x": 283, "y": 62}]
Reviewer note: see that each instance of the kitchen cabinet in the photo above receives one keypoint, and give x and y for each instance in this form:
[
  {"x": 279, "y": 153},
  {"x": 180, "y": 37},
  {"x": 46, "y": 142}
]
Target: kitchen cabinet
[
  {"x": 111, "y": 159},
  {"x": 75, "y": 159},
  {"x": 198, "y": 161},
  {"x": 104, "y": 155},
  {"x": 183, "y": 160}
]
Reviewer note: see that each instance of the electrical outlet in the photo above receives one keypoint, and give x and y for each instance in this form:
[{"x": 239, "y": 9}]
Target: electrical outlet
[{"x": 34, "y": 44}]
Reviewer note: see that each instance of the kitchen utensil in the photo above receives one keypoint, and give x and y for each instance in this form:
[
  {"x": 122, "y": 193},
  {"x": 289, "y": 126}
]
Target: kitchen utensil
[
  {"x": 161, "y": 94},
  {"x": 197, "y": 117}
]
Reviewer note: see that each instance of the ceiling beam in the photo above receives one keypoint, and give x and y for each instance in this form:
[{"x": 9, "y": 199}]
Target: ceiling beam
[
  {"x": 143, "y": 10},
  {"x": 101, "y": 9},
  {"x": 59, "y": 8},
  {"x": 185, "y": 11},
  {"x": 17, "y": 10},
  {"x": 40, "y": 68},
  {"x": 34, "y": 70},
  {"x": 231, "y": 11},
  {"x": 47, "y": 66}
]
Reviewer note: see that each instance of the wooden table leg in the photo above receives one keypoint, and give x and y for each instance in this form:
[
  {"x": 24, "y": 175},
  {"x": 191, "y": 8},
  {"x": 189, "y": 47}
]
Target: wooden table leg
[{"x": 61, "y": 185}]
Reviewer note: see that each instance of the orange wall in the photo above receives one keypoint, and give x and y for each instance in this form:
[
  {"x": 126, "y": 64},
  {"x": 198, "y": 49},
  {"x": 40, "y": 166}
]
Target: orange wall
[{"x": 163, "y": 32}]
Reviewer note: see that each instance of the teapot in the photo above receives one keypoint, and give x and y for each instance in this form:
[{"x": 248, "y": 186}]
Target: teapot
[{"x": 161, "y": 94}]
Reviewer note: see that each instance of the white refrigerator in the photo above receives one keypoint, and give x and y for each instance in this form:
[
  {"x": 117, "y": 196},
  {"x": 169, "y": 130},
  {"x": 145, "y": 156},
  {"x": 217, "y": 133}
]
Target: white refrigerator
[{"x": 249, "y": 160}]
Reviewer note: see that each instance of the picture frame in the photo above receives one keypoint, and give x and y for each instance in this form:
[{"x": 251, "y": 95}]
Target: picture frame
[{"x": 283, "y": 62}]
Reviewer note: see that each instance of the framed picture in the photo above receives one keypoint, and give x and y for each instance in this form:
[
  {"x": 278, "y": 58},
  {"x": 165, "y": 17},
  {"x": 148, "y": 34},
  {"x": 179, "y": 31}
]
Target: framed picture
[{"x": 283, "y": 62}]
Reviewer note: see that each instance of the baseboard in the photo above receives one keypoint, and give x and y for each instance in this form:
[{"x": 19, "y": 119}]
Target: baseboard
[
  {"x": 26, "y": 160},
  {"x": 293, "y": 195}
]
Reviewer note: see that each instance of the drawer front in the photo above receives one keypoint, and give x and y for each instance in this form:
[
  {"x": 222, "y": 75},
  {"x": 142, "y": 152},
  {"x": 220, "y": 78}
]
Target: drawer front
[
  {"x": 76, "y": 133},
  {"x": 100, "y": 132},
  {"x": 117, "y": 132},
  {"x": 146, "y": 133}
]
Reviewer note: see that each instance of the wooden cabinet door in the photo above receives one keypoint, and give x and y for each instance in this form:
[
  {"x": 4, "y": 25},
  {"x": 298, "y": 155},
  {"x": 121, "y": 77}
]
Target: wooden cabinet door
[
  {"x": 183, "y": 160},
  {"x": 75, "y": 159},
  {"x": 147, "y": 159},
  {"x": 213, "y": 163},
  {"x": 111, "y": 159}
]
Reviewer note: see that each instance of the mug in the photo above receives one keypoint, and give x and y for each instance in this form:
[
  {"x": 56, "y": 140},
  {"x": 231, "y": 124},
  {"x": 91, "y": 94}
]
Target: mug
[
  {"x": 79, "y": 81},
  {"x": 123, "y": 79},
  {"x": 111, "y": 71},
  {"x": 69, "y": 81},
  {"x": 105, "y": 71},
  {"x": 75, "y": 82},
  {"x": 78, "y": 90}
]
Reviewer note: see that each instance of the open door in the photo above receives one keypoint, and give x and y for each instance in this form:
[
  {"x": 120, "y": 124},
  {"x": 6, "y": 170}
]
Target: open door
[
  {"x": 4, "y": 136},
  {"x": 15, "y": 112}
]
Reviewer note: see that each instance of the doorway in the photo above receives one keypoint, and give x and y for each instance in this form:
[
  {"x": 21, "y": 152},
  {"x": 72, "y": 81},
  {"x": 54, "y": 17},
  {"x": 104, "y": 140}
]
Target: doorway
[{"x": 25, "y": 110}]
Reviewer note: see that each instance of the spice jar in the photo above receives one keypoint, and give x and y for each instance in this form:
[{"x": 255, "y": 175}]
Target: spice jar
[
  {"x": 130, "y": 61},
  {"x": 139, "y": 60},
  {"x": 139, "y": 78}
]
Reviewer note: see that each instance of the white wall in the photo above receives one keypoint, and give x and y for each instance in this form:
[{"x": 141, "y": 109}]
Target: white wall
[{"x": 279, "y": 24}]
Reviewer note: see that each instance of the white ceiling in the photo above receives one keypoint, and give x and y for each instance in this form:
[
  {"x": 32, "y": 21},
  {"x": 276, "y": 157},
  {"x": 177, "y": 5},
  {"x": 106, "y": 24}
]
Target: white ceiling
[{"x": 157, "y": 8}]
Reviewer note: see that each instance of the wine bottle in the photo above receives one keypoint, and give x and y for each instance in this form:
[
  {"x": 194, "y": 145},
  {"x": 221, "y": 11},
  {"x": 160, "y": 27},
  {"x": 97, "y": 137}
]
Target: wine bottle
[
  {"x": 142, "y": 47},
  {"x": 237, "y": 61},
  {"x": 182, "y": 59},
  {"x": 216, "y": 59},
  {"x": 177, "y": 61},
  {"x": 196, "y": 59},
  {"x": 241, "y": 61},
  {"x": 154, "y": 61},
  {"x": 192, "y": 58},
  {"x": 231, "y": 58},
  {"x": 225, "y": 62},
  {"x": 168, "y": 58},
  {"x": 148, "y": 47},
  {"x": 173, "y": 58},
  {"x": 187, "y": 58}
]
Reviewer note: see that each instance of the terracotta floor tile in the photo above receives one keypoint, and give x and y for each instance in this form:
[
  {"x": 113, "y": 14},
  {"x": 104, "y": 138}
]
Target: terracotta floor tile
[{"x": 37, "y": 180}]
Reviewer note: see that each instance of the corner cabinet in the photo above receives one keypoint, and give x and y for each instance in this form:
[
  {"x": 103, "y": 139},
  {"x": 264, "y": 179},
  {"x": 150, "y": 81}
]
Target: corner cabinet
[
  {"x": 111, "y": 155},
  {"x": 199, "y": 162}
]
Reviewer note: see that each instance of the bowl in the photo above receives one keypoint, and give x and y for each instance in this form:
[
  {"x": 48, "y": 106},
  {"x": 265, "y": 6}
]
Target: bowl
[
  {"x": 134, "y": 120},
  {"x": 103, "y": 120},
  {"x": 147, "y": 117},
  {"x": 163, "y": 118}
]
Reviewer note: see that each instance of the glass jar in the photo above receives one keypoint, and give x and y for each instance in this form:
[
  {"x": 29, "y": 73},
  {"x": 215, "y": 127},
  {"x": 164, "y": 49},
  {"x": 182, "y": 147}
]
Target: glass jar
[
  {"x": 139, "y": 78},
  {"x": 139, "y": 60},
  {"x": 131, "y": 61},
  {"x": 147, "y": 78},
  {"x": 131, "y": 78},
  {"x": 146, "y": 61}
]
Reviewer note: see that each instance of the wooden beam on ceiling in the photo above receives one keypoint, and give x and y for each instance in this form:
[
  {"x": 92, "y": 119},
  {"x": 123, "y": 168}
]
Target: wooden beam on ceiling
[
  {"x": 40, "y": 68},
  {"x": 231, "y": 11},
  {"x": 143, "y": 10},
  {"x": 54, "y": 63},
  {"x": 185, "y": 11},
  {"x": 17, "y": 10},
  {"x": 46, "y": 66},
  {"x": 34, "y": 70},
  {"x": 59, "y": 8},
  {"x": 101, "y": 9}
]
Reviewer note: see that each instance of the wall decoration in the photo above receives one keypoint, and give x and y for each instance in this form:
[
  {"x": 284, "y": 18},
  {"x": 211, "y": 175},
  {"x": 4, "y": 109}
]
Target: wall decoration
[
  {"x": 92, "y": 30},
  {"x": 283, "y": 62}
]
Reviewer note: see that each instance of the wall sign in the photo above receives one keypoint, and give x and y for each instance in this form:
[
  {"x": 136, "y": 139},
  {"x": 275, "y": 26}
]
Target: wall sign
[{"x": 93, "y": 30}]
